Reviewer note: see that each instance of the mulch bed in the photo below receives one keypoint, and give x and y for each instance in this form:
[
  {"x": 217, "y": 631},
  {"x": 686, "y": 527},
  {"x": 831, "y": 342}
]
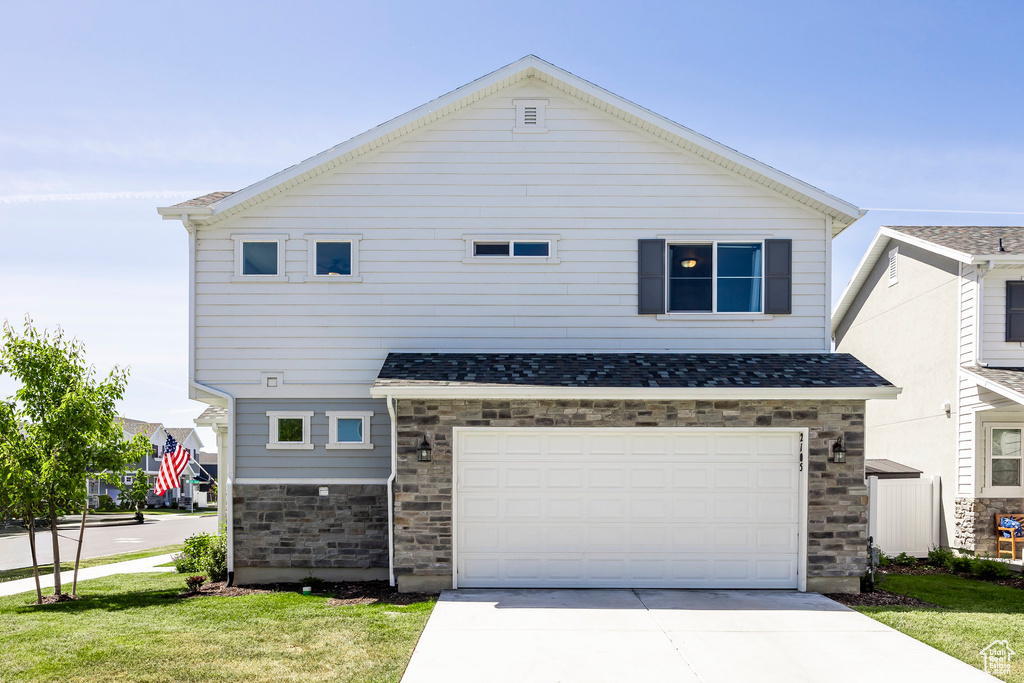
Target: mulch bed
[
  {"x": 878, "y": 598},
  {"x": 344, "y": 593},
  {"x": 51, "y": 599}
]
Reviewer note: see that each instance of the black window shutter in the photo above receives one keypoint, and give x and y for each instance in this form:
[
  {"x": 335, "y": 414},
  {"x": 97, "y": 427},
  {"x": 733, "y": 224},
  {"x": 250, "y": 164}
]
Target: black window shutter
[
  {"x": 651, "y": 269},
  {"x": 1015, "y": 311},
  {"x": 778, "y": 276}
]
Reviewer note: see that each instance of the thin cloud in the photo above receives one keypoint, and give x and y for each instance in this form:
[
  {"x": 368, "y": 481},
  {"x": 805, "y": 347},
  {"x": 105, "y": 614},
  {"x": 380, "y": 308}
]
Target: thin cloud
[{"x": 95, "y": 196}]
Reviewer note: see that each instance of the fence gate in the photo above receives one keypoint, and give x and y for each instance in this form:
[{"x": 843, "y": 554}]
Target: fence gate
[{"x": 903, "y": 514}]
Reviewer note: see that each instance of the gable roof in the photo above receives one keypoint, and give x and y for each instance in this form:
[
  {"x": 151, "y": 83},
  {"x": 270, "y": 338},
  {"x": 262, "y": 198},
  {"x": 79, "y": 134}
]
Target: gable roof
[
  {"x": 580, "y": 374},
  {"x": 207, "y": 209},
  {"x": 964, "y": 243},
  {"x": 133, "y": 427}
]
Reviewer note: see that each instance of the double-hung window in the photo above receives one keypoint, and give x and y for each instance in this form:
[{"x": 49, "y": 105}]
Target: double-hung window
[
  {"x": 720, "y": 277},
  {"x": 1004, "y": 455}
]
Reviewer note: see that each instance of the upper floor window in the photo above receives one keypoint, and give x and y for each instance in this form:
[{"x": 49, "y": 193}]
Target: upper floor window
[
  {"x": 259, "y": 257},
  {"x": 349, "y": 429},
  {"x": 333, "y": 258},
  {"x": 512, "y": 248},
  {"x": 723, "y": 277}
]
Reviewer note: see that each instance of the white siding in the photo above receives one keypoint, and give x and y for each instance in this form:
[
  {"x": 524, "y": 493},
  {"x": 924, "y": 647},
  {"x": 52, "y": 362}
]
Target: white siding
[
  {"x": 975, "y": 404},
  {"x": 994, "y": 349},
  {"x": 597, "y": 182}
]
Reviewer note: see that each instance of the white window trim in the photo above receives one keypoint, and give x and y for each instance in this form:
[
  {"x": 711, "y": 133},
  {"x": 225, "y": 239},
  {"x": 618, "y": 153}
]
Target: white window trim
[
  {"x": 756, "y": 315},
  {"x": 987, "y": 487},
  {"x": 471, "y": 240},
  {"x": 273, "y": 444},
  {"x": 250, "y": 237},
  {"x": 313, "y": 238},
  {"x": 128, "y": 480},
  {"x": 542, "y": 120},
  {"x": 893, "y": 266},
  {"x": 332, "y": 429}
]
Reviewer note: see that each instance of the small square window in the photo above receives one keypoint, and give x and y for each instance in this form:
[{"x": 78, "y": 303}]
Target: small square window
[
  {"x": 333, "y": 258},
  {"x": 259, "y": 258},
  {"x": 349, "y": 429},
  {"x": 289, "y": 430}
]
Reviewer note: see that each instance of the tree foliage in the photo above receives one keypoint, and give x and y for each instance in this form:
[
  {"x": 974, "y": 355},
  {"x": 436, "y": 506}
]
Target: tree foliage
[{"x": 59, "y": 428}]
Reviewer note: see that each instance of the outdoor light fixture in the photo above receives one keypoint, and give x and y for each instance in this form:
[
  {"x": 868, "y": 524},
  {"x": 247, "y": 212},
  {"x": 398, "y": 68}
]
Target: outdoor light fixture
[
  {"x": 689, "y": 263},
  {"x": 423, "y": 452},
  {"x": 838, "y": 451}
]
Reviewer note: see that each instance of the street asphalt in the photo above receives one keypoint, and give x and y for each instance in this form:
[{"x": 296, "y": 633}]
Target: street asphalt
[{"x": 158, "y": 530}]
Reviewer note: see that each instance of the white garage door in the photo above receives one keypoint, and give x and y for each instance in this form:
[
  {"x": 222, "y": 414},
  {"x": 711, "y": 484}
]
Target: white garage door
[{"x": 608, "y": 508}]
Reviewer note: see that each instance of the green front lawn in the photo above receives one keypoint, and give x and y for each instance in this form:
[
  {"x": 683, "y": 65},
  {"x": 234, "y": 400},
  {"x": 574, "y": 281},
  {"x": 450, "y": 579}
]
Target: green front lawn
[
  {"x": 67, "y": 568},
  {"x": 132, "y": 628},
  {"x": 971, "y": 615}
]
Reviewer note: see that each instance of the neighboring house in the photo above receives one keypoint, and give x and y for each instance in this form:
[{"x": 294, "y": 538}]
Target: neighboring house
[
  {"x": 530, "y": 334},
  {"x": 940, "y": 311},
  {"x": 150, "y": 464}
]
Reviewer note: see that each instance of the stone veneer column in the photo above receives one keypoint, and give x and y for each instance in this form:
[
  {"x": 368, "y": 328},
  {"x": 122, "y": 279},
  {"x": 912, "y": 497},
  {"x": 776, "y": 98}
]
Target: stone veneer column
[
  {"x": 837, "y": 496},
  {"x": 976, "y": 522}
]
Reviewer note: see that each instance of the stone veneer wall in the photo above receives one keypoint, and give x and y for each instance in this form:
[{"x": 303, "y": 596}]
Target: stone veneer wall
[
  {"x": 291, "y": 525},
  {"x": 976, "y": 521},
  {"x": 837, "y": 496}
]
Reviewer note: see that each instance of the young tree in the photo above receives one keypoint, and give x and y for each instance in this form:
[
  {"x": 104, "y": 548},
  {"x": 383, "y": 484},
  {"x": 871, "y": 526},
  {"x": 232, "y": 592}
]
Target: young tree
[
  {"x": 21, "y": 492},
  {"x": 136, "y": 493},
  {"x": 65, "y": 419}
]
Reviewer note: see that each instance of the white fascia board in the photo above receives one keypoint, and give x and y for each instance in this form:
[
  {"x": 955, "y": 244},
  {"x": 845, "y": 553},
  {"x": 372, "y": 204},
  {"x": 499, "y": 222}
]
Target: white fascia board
[
  {"x": 842, "y": 212},
  {"x": 171, "y": 213},
  {"x": 995, "y": 387},
  {"x": 926, "y": 245},
  {"x": 860, "y": 276},
  {"x": 504, "y": 391},
  {"x": 1000, "y": 259}
]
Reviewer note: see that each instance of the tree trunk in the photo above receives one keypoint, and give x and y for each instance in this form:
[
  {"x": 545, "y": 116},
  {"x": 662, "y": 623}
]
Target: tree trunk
[
  {"x": 35, "y": 562},
  {"x": 78, "y": 554},
  {"x": 56, "y": 548}
]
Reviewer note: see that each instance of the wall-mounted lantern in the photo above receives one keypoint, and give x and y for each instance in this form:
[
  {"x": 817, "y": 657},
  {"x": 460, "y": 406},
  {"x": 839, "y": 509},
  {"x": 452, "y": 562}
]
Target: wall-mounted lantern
[
  {"x": 838, "y": 450},
  {"x": 423, "y": 452}
]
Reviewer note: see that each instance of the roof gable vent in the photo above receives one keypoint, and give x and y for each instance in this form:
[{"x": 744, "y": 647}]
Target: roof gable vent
[
  {"x": 893, "y": 264},
  {"x": 530, "y": 116}
]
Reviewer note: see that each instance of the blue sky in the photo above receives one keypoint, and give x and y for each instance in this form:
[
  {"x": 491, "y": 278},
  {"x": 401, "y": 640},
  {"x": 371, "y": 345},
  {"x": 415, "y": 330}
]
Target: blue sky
[{"x": 113, "y": 108}]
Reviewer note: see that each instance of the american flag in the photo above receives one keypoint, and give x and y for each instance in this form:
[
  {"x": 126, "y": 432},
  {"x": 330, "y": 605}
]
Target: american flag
[{"x": 174, "y": 462}]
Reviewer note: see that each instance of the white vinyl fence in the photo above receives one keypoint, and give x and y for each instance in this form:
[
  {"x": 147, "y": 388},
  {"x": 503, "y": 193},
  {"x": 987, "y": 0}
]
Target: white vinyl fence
[{"x": 903, "y": 514}]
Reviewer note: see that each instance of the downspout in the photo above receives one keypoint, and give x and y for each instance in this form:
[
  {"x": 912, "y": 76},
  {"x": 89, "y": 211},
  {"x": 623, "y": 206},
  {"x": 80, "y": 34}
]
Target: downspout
[
  {"x": 229, "y": 438},
  {"x": 391, "y": 489},
  {"x": 979, "y": 309}
]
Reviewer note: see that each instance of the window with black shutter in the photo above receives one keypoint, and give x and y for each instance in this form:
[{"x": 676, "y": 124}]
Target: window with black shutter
[{"x": 1015, "y": 311}]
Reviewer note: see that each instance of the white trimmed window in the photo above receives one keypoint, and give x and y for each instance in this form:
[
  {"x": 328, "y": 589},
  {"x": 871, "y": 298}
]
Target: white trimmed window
[
  {"x": 349, "y": 429},
  {"x": 289, "y": 430},
  {"x": 259, "y": 258},
  {"x": 333, "y": 257},
  {"x": 511, "y": 249},
  {"x": 1004, "y": 456},
  {"x": 128, "y": 479},
  {"x": 94, "y": 486},
  {"x": 894, "y": 275}
]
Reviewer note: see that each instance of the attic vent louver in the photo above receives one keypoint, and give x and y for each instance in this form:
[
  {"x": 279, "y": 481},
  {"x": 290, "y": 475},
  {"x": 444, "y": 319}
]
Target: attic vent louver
[
  {"x": 893, "y": 265},
  {"x": 530, "y": 116}
]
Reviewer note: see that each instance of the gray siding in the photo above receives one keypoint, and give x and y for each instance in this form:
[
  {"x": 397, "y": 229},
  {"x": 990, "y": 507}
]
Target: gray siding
[{"x": 253, "y": 461}]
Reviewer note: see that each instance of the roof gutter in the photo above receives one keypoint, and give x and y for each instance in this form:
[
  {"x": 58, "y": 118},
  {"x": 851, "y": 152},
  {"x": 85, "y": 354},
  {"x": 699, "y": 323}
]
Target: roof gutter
[{"x": 512, "y": 392}]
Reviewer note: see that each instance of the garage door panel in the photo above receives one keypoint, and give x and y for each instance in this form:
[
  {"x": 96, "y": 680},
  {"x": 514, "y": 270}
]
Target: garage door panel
[{"x": 595, "y": 508}]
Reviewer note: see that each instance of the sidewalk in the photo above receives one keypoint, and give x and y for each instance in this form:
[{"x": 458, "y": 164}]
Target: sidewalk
[{"x": 145, "y": 564}]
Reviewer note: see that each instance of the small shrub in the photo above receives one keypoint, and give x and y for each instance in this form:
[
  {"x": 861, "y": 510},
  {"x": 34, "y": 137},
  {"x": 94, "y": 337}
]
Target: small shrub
[
  {"x": 904, "y": 560},
  {"x": 314, "y": 583},
  {"x": 989, "y": 569},
  {"x": 940, "y": 557},
  {"x": 106, "y": 504},
  {"x": 961, "y": 564},
  {"x": 216, "y": 561},
  {"x": 883, "y": 559},
  {"x": 193, "y": 556},
  {"x": 195, "y": 582}
]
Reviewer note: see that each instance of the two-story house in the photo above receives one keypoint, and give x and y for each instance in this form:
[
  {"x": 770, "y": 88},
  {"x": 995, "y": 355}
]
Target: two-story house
[
  {"x": 530, "y": 334},
  {"x": 940, "y": 311},
  {"x": 150, "y": 464}
]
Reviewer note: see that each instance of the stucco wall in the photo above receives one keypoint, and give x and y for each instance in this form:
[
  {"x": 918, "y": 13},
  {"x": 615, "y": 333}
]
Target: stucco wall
[{"x": 909, "y": 333}]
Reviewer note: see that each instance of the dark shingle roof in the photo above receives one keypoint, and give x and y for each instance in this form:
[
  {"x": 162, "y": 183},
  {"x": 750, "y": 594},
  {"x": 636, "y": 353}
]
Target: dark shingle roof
[
  {"x": 617, "y": 370},
  {"x": 205, "y": 200},
  {"x": 969, "y": 239},
  {"x": 889, "y": 469},
  {"x": 1011, "y": 378}
]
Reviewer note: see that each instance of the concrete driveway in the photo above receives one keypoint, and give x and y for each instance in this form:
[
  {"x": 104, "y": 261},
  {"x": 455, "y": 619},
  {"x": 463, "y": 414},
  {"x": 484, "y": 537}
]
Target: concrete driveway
[{"x": 666, "y": 635}]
